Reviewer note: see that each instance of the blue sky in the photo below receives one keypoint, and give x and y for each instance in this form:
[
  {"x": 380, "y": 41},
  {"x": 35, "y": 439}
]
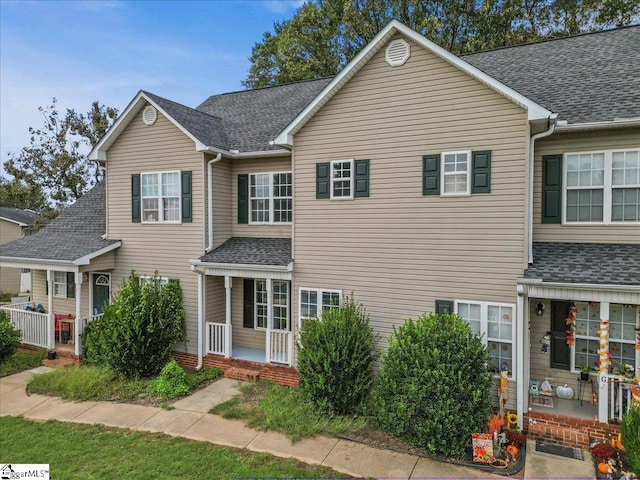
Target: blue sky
[{"x": 81, "y": 51}]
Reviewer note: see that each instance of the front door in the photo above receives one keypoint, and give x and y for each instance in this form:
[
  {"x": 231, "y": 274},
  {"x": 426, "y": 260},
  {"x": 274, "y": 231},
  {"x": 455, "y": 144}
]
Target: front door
[{"x": 101, "y": 290}]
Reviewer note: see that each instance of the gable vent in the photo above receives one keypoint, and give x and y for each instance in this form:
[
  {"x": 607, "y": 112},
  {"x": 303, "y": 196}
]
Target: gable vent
[
  {"x": 397, "y": 53},
  {"x": 149, "y": 115}
]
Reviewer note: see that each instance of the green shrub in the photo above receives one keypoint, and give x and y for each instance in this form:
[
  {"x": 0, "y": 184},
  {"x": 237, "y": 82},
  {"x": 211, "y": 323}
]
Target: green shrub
[
  {"x": 139, "y": 329},
  {"x": 433, "y": 388},
  {"x": 630, "y": 430},
  {"x": 171, "y": 383},
  {"x": 335, "y": 358},
  {"x": 9, "y": 337}
]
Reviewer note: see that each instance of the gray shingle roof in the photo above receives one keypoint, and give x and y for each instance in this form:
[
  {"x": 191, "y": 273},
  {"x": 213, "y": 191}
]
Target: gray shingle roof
[
  {"x": 252, "y": 251},
  {"x": 26, "y": 217},
  {"x": 586, "y": 78},
  {"x": 592, "y": 263},
  {"x": 75, "y": 233}
]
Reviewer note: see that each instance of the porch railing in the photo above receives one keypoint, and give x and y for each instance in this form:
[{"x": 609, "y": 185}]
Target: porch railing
[
  {"x": 32, "y": 325},
  {"x": 216, "y": 335},
  {"x": 280, "y": 346},
  {"x": 620, "y": 397}
]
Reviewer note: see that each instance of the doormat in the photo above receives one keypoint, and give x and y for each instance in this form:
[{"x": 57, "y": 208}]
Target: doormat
[
  {"x": 561, "y": 450},
  {"x": 542, "y": 401}
]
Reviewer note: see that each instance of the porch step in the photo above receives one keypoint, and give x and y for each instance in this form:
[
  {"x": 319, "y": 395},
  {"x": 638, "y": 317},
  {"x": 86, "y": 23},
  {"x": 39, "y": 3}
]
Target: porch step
[{"x": 242, "y": 374}]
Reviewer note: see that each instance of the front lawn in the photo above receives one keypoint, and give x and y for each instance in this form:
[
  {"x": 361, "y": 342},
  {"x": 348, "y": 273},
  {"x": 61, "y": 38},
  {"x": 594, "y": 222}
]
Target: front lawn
[
  {"x": 22, "y": 359},
  {"x": 96, "y": 452}
]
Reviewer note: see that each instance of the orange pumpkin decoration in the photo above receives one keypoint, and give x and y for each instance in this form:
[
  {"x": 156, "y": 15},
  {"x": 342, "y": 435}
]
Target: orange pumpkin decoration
[
  {"x": 603, "y": 467},
  {"x": 512, "y": 450}
]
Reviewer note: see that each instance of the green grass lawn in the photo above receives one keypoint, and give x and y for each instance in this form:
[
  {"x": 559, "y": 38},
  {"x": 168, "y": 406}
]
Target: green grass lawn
[
  {"x": 23, "y": 359},
  {"x": 267, "y": 406},
  {"x": 98, "y": 452}
]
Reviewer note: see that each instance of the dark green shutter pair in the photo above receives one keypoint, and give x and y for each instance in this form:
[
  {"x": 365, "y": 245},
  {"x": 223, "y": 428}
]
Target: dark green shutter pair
[
  {"x": 186, "y": 200},
  {"x": 71, "y": 285},
  {"x": 360, "y": 179},
  {"x": 480, "y": 173}
]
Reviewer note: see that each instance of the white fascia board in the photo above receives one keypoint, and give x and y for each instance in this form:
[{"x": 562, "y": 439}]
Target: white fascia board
[
  {"x": 587, "y": 286},
  {"x": 38, "y": 264},
  {"x": 285, "y": 138},
  {"x": 86, "y": 260},
  {"x": 14, "y": 221},
  {"x": 616, "y": 123},
  {"x": 257, "y": 154}
]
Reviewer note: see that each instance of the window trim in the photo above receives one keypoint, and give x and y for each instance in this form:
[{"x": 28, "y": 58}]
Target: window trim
[
  {"x": 63, "y": 293},
  {"x": 484, "y": 328},
  {"x": 607, "y": 188},
  {"x": 319, "y": 292},
  {"x": 160, "y": 197},
  {"x": 273, "y": 305},
  {"x": 443, "y": 174},
  {"x": 142, "y": 279},
  {"x": 351, "y": 179},
  {"x": 271, "y": 198}
]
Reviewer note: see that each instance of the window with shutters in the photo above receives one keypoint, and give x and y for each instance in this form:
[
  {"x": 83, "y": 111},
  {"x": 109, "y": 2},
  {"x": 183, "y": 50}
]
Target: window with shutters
[
  {"x": 160, "y": 197},
  {"x": 458, "y": 173},
  {"x": 455, "y": 173},
  {"x": 602, "y": 187},
  {"x": 314, "y": 301},
  {"x": 342, "y": 179},
  {"x": 271, "y": 197}
]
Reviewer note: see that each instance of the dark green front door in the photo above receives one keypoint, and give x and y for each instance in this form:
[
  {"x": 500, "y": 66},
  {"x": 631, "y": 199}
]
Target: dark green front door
[{"x": 101, "y": 288}]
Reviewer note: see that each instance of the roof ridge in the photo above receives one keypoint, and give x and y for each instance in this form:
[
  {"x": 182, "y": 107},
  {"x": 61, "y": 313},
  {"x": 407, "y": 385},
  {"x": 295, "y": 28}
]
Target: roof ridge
[
  {"x": 195, "y": 109},
  {"x": 268, "y": 87}
]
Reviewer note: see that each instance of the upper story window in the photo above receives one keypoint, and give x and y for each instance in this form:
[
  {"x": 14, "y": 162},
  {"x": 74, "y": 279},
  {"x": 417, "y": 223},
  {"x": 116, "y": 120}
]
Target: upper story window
[
  {"x": 160, "y": 193},
  {"x": 342, "y": 179},
  {"x": 271, "y": 197},
  {"x": 602, "y": 187},
  {"x": 455, "y": 173}
]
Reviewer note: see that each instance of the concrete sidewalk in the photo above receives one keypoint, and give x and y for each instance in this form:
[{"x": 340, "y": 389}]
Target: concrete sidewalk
[{"x": 190, "y": 419}]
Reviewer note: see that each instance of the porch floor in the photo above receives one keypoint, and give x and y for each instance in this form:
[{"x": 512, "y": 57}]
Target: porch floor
[
  {"x": 569, "y": 408},
  {"x": 250, "y": 354}
]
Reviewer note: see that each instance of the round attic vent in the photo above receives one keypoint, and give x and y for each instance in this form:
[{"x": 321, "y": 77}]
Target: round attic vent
[
  {"x": 149, "y": 115},
  {"x": 397, "y": 53}
]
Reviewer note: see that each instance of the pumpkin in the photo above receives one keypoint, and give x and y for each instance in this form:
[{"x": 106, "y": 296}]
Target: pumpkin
[
  {"x": 512, "y": 450},
  {"x": 603, "y": 467},
  {"x": 565, "y": 392}
]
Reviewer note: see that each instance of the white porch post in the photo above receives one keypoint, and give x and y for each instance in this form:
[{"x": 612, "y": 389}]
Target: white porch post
[
  {"x": 269, "y": 319},
  {"x": 228, "y": 283},
  {"x": 521, "y": 386},
  {"x": 200, "y": 318},
  {"x": 603, "y": 375},
  {"x": 51, "y": 336},
  {"x": 78, "y": 322}
]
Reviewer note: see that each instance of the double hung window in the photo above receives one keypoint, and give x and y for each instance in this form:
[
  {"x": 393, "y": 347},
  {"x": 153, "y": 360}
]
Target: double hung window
[
  {"x": 271, "y": 197},
  {"x": 342, "y": 179},
  {"x": 59, "y": 284},
  {"x": 280, "y": 304},
  {"x": 160, "y": 192},
  {"x": 455, "y": 173}
]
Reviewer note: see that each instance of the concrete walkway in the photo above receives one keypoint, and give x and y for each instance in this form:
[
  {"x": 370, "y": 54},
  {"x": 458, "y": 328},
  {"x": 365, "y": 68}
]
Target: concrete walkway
[{"x": 190, "y": 419}]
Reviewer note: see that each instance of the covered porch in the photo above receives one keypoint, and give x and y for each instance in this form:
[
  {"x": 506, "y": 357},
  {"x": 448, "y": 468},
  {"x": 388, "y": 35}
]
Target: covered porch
[{"x": 244, "y": 301}]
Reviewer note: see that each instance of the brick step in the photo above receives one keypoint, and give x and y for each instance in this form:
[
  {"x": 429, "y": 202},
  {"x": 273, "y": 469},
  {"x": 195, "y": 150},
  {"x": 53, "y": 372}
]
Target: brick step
[
  {"x": 558, "y": 434},
  {"x": 242, "y": 374}
]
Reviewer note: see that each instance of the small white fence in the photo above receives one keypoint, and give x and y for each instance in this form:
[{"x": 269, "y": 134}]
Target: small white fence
[
  {"x": 32, "y": 325},
  {"x": 280, "y": 346},
  {"x": 216, "y": 335},
  {"x": 621, "y": 398}
]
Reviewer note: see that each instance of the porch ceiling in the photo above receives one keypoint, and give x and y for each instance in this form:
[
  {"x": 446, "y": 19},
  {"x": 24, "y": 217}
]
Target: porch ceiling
[{"x": 585, "y": 263}]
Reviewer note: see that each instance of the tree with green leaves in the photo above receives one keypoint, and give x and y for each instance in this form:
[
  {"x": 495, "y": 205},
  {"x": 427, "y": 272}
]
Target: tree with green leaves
[
  {"x": 17, "y": 193},
  {"x": 54, "y": 162}
]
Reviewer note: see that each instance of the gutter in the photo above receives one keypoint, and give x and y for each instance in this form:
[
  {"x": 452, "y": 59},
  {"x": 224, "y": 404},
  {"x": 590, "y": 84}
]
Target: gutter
[
  {"x": 583, "y": 127},
  {"x": 552, "y": 126},
  {"x": 583, "y": 286},
  {"x": 210, "y": 201}
]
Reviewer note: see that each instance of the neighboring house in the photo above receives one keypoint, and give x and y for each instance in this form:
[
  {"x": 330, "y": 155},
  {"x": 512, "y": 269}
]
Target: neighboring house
[
  {"x": 16, "y": 223},
  {"x": 503, "y": 186}
]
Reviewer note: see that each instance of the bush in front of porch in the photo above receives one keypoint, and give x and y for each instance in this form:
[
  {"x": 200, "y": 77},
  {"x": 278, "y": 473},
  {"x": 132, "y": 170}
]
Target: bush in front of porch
[
  {"x": 139, "y": 329},
  {"x": 9, "y": 337},
  {"x": 630, "y": 430}
]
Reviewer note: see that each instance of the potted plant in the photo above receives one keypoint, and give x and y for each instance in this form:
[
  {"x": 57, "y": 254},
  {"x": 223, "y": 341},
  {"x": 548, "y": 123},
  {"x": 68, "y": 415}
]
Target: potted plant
[{"x": 584, "y": 372}]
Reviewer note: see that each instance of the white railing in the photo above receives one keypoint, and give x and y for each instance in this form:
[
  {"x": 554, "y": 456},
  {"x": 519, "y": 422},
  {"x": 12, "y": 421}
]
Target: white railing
[
  {"x": 33, "y": 326},
  {"x": 84, "y": 321},
  {"x": 620, "y": 397},
  {"x": 280, "y": 346},
  {"x": 216, "y": 335}
]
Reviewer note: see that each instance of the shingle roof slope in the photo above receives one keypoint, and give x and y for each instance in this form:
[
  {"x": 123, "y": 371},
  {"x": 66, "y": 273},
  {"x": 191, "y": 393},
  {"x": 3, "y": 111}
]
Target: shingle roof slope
[
  {"x": 252, "y": 251},
  {"x": 75, "y": 233},
  {"x": 586, "y": 78},
  {"x": 19, "y": 215},
  {"x": 253, "y": 118},
  {"x": 592, "y": 263}
]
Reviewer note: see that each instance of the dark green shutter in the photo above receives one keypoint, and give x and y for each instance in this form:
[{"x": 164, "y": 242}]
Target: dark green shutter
[
  {"x": 46, "y": 287},
  {"x": 243, "y": 198},
  {"x": 362, "y": 178},
  {"x": 444, "y": 306},
  {"x": 559, "y": 349},
  {"x": 249, "y": 303},
  {"x": 552, "y": 189},
  {"x": 71, "y": 285},
  {"x": 323, "y": 178},
  {"x": 431, "y": 175},
  {"x": 135, "y": 198},
  {"x": 481, "y": 172},
  {"x": 187, "y": 215}
]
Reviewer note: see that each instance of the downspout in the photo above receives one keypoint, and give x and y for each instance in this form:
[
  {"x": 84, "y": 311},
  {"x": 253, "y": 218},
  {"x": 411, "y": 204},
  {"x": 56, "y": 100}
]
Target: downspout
[
  {"x": 552, "y": 126},
  {"x": 200, "y": 316},
  {"x": 210, "y": 201}
]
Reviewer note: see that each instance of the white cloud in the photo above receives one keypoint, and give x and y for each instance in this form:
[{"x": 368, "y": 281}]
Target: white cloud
[
  {"x": 282, "y": 6},
  {"x": 97, "y": 6}
]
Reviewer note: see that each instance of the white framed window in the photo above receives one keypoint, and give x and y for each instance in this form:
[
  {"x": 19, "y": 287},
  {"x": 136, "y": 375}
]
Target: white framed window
[
  {"x": 602, "y": 187},
  {"x": 60, "y": 284},
  {"x": 587, "y": 346},
  {"x": 496, "y": 323},
  {"x": 142, "y": 279},
  {"x": 456, "y": 179},
  {"x": 271, "y": 197},
  {"x": 160, "y": 193},
  {"x": 314, "y": 301},
  {"x": 280, "y": 304},
  {"x": 342, "y": 179}
]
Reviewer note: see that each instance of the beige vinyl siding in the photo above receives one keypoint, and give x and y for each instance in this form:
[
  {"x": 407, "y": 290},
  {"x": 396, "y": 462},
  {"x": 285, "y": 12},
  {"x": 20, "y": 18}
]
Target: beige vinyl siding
[
  {"x": 581, "y": 142},
  {"x": 166, "y": 248},
  {"x": 221, "y": 201},
  {"x": 102, "y": 263},
  {"x": 397, "y": 250},
  {"x": 257, "y": 165},
  {"x": 215, "y": 301},
  {"x": 60, "y": 305},
  {"x": 9, "y": 277}
]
